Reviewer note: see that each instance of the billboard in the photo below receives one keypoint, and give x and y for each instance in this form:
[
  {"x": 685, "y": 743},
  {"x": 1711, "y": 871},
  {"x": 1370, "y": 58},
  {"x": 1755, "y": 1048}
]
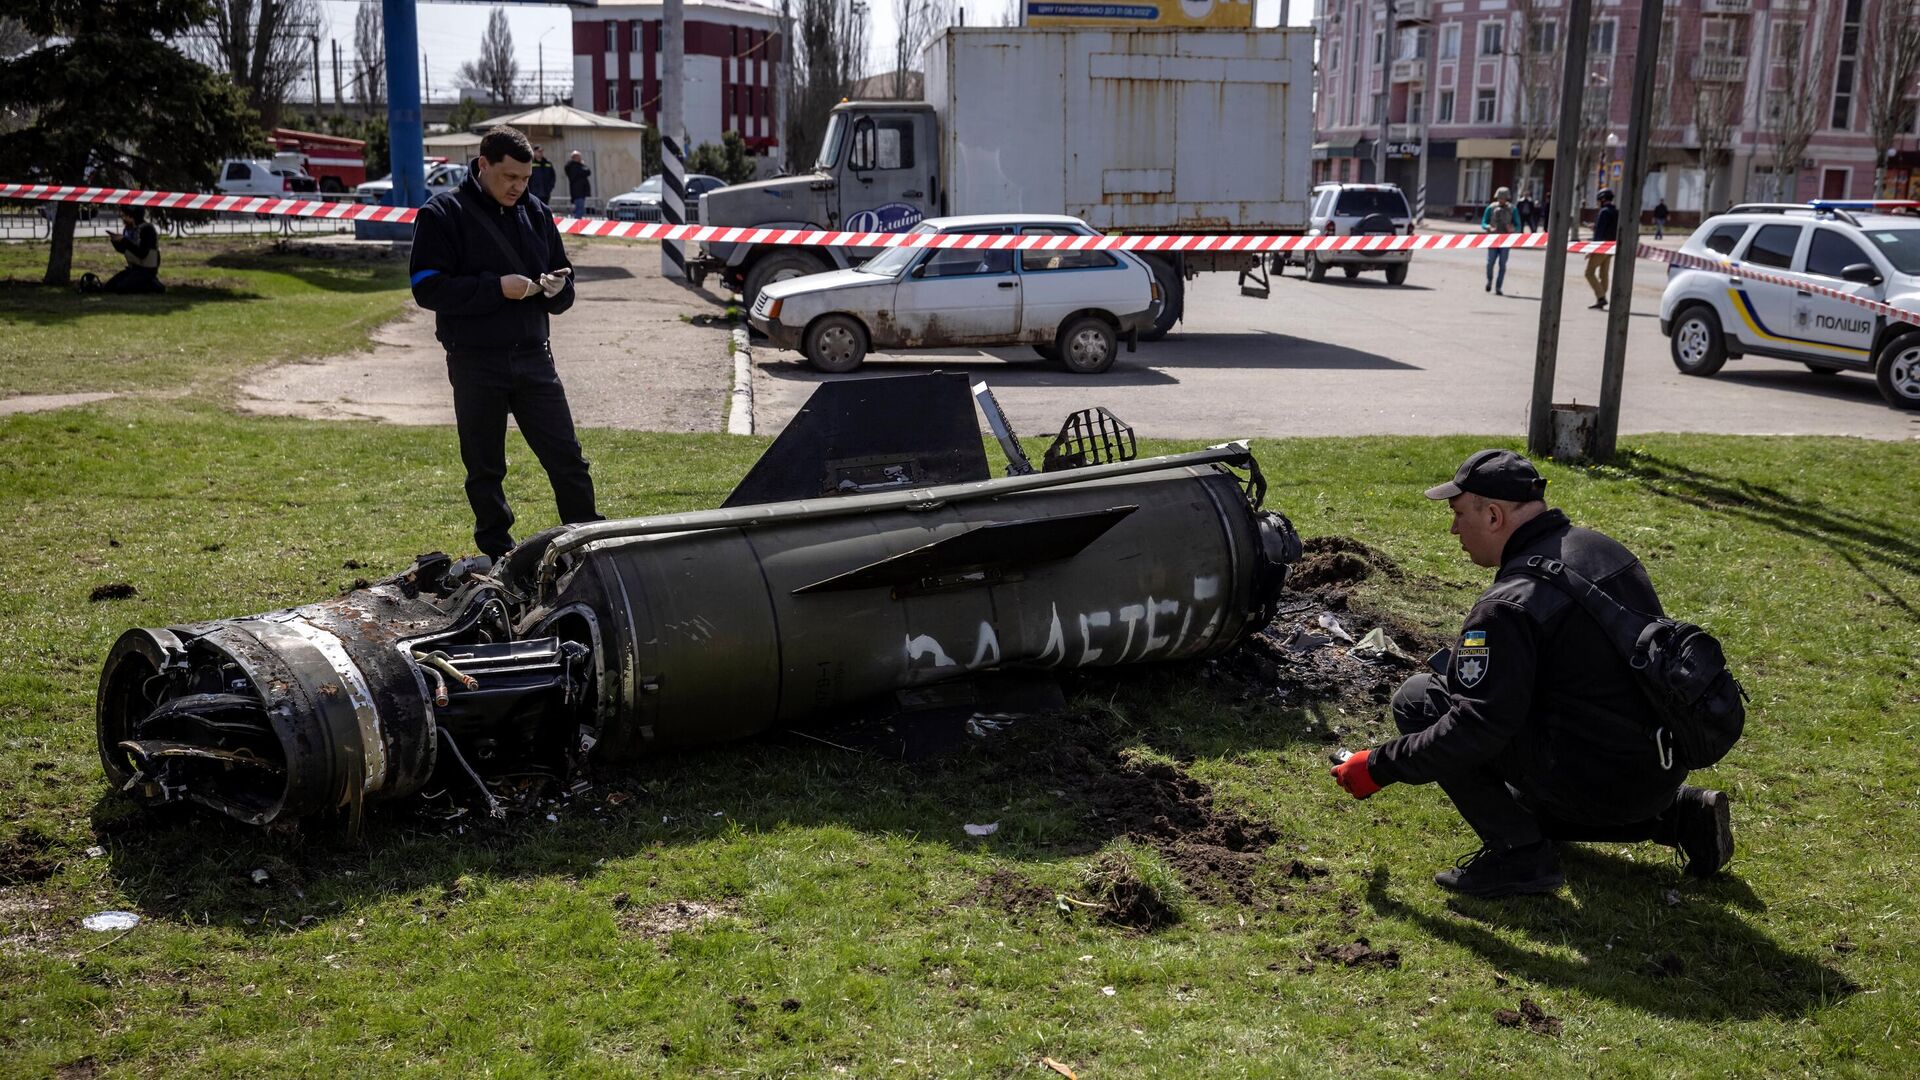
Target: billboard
[{"x": 1144, "y": 14}]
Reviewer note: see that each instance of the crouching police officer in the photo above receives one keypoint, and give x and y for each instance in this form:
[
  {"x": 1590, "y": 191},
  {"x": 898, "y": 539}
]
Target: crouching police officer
[
  {"x": 1537, "y": 730},
  {"x": 487, "y": 261}
]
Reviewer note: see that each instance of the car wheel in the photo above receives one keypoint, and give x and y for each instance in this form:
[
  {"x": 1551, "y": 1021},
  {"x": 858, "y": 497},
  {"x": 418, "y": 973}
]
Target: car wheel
[
  {"x": 1173, "y": 299},
  {"x": 1698, "y": 346},
  {"x": 1088, "y": 346},
  {"x": 779, "y": 266},
  {"x": 1898, "y": 372},
  {"x": 1048, "y": 353},
  {"x": 1397, "y": 274},
  {"x": 1316, "y": 270},
  {"x": 1823, "y": 369},
  {"x": 836, "y": 345}
]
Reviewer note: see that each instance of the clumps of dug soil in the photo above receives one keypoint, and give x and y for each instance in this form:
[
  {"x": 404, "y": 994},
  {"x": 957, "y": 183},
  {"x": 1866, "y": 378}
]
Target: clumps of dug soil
[
  {"x": 661, "y": 921},
  {"x": 1360, "y": 953},
  {"x": 1529, "y": 1016},
  {"x": 1338, "y": 562},
  {"x": 114, "y": 590},
  {"x": 1133, "y": 886}
]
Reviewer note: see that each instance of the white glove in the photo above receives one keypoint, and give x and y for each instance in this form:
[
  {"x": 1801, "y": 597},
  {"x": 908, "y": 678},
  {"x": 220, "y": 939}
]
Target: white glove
[
  {"x": 516, "y": 287},
  {"x": 552, "y": 283}
]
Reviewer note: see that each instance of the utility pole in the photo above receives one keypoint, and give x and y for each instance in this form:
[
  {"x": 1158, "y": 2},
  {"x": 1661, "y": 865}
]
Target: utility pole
[
  {"x": 315, "y": 39},
  {"x": 672, "y": 102},
  {"x": 404, "y": 127},
  {"x": 673, "y": 138},
  {"x": 339, "y": 103},
  {"x": 1546, "y": 354},
  {"x": 1620, "y": 303},
  {"x": 1427, "y": 105}
]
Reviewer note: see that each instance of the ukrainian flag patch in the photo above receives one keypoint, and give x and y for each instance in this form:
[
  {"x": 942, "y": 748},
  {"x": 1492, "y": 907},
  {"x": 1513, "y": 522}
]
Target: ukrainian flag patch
[{"x": 1474, "y": 639}]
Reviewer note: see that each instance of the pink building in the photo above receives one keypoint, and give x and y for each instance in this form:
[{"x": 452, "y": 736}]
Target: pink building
[
  {"x": 1732, "y": 75},
  {"x": 733, "y": 55}
]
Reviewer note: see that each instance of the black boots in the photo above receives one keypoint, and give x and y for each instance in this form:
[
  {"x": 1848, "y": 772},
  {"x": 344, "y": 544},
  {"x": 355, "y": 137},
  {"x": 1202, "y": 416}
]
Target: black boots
[
  {"x": 1703, "y": 829},
  {"x": 1490, "y": 872}
]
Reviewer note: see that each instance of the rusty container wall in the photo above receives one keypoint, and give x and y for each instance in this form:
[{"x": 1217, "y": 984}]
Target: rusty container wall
[
  {"x": 1131, "y": 130},
  {"x": 724, "y": 643}
]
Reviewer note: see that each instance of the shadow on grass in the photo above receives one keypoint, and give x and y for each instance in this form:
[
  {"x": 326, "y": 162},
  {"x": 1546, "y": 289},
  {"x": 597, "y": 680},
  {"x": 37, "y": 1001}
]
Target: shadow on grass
[
  {"x": 1868, "y": 544},
  {"x": 59, "y": 305},
  {"x": 1698, "y": 961},
  {"x": 343, "y": 276},
  {"x": 1064, "y": 785}
]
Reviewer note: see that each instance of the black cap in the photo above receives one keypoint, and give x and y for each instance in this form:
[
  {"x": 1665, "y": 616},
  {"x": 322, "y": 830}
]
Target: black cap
[
  {"x": 1606, "y": 194},
  {"x": 1494, "y": 474}
]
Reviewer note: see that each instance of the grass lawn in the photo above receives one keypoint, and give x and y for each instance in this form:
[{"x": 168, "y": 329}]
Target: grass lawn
[
  {"x": 231, "y": 303},
  {"x": 786, "y": 908}
]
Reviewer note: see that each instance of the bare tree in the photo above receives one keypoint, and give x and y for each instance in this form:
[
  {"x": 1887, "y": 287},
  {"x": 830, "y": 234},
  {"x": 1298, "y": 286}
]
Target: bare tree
[
  {"x": 1538, "y": 55},
  {"x": 915, "y": 23},
  {"x": 1892, "y": 54},
  {"x": 370, "y": 55},
  {"x": 262, "y": 45},
  {"x": 1716, "y": 107},
  {"x": 496, "y": 71},
  {"x": 15, "y": 38},
  {"x": 1792, "y": 112},
  {"x": 829, "y": 54}
]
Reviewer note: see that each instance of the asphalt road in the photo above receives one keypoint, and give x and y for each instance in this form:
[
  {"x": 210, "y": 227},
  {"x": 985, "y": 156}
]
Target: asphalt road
[{"x": 1439, "y": 355}]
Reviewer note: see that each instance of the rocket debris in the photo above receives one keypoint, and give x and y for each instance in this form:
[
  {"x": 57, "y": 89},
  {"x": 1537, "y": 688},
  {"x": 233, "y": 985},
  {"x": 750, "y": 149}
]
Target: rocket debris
[{"x": 867, "y": 562}]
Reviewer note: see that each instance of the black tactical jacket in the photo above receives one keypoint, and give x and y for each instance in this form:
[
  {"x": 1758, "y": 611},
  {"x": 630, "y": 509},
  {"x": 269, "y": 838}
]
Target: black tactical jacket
[{"x": 457, "y": 266}]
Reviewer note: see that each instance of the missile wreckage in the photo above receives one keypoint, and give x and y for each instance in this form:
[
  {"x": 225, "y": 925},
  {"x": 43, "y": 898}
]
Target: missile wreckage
[{"x": 868, "y": 562}]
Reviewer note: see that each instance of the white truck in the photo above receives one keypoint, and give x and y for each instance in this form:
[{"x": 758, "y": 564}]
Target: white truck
[{"x": 1132, "y": 131}]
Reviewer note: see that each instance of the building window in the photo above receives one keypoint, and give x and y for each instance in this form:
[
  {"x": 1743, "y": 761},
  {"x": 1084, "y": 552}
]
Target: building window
[
  {"x": 1485, "y": 105},
  {"x": 1725, "y": 37},
  {"x": 1476, "y": 180},
  {"x": 613, "y": 96},
  {"x": 1787, "y": 37},
  {"x": 1600, "y": 41},
  {"x": 1542, "y": 36},
  {"x": 1492, "y": 35},
  {"x": 1446, "y": 107},
  {"x": 1846, "y": 68},
  {"x": 612, "y": 30},
  {"x": 1450, "y": 42},
  {"x": 1379, "y": 48},
  {"x": 1379, "y": 107},
  {"x": 636, "y": 39},
  {"x": 1333, "y": 55},
  {"x": 1416, "y": 107},
  {"x": 1413, "y": 43}
]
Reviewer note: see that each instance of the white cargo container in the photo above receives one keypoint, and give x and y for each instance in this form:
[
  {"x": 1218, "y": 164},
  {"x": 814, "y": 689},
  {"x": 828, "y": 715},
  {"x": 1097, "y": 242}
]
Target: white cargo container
[
  {"x": 1133, "y": 131},
  {"x": 1130, "y": 130}
]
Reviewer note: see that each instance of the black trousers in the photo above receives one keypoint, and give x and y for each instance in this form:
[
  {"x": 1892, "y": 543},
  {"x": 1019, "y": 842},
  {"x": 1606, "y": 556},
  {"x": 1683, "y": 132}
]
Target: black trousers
[
  {"x": 1521, "y": 798},
  {"x": 489, "y": 385},
  {"x": 135, "y": 279}
]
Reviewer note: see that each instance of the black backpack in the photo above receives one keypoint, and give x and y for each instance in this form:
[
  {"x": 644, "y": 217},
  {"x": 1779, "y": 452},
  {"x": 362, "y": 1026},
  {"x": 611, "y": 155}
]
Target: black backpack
[{"x": 1699, "y": 709}]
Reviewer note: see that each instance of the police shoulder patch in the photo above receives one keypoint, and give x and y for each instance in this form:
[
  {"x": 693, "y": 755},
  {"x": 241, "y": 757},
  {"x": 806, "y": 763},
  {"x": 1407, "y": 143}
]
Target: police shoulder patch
[{"x": 1470, "y": 661}]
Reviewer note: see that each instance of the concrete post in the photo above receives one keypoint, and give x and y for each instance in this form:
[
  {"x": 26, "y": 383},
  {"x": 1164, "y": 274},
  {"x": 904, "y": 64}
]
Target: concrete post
[
  {"x": 1620, "y": 302},
  {"x": 1573, "y": 84}
]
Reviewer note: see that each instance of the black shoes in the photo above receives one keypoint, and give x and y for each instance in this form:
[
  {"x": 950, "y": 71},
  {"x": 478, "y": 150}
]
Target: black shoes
[
  {"x": 1598, "y": 305},
  {"x": 1705, "y": 830},
  {"x": 1490, "y": 873}
]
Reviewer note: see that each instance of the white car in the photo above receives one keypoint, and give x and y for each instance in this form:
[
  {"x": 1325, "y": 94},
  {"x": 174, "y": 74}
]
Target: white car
[
  {"x": 242, "y": 177},
  {"x": 441, "y": 178},
  {"x": 643, "y": 202},
  {"x": 1073, "y": 307},
  {"x": 1714, "y": 315},
  {"x": 1357, "y": 210}
]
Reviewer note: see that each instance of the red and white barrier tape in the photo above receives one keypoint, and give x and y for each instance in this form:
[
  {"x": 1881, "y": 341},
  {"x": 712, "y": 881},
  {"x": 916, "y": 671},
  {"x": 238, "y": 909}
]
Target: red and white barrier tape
[{"x": 635, "y": 230}]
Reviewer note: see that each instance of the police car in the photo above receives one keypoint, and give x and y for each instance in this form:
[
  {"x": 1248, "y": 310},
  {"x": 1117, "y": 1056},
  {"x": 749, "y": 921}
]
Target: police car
[{"x": 1861, "y": 249}]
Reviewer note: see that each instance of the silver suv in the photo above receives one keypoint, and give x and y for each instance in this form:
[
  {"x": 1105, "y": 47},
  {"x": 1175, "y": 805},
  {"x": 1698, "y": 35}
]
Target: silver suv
[
  {"x": 1820, "y": 254},
  {"x": 1357, "y": 210}
]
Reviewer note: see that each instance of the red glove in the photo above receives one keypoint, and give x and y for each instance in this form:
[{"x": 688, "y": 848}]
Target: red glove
[{"x": 1353, "y": 775}]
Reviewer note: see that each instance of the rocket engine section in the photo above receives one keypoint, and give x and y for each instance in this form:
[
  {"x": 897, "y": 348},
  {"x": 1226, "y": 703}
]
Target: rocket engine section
[{"x": 867, "y": 556}]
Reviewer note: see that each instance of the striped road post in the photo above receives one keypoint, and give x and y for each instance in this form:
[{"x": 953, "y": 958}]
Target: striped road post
[{"x": 673, "y": 205}]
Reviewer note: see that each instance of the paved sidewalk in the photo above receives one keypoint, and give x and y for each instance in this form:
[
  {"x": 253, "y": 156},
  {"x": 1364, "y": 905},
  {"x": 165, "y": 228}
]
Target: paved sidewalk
[{"x": 636, "y": 351}]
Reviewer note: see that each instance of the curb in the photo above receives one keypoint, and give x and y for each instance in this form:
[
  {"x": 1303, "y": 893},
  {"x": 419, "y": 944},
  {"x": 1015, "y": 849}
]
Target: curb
[{"x": 740, "y": 415}]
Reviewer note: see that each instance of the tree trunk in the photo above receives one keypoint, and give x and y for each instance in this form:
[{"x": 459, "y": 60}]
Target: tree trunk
[
  {"x": 1879, "y": 173},
  {"x": 60, "y": 244}
]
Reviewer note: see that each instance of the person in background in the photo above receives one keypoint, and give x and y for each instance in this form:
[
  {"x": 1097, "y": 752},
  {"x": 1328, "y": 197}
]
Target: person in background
[
  {"x": 579, "y": 183},
  {"x": 1606, "y": 227},
  {"x": 1524, "y": 207},
  {"x": 545, "y": 177},
  {"x": 1498, "y": 218},
  {"x": 139, "y": 242},
  {"x": 1660, "y": 220}
]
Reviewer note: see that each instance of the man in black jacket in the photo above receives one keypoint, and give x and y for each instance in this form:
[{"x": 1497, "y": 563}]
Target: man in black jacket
[
  {"x": 1606, "y": 226},
  {"x": 487, "y": 261},
  {"x": 139, "y": 243},
  {"x": 579, "y": 183},
  {"x": 544, "y": 177},
  {"x": 1535, "y": 727}
]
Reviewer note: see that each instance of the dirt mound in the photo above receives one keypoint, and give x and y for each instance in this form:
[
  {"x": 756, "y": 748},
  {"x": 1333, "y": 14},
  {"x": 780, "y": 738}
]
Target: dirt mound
[
  {"x": 28, "y": 858},
  {"x": 1359, "y": 954},
  {"x": 1338, "y": 562},
  {"x": 1530, "y": 1016},
  {"x": 1127, "y": 894},
  {"x": 1011, "y": 893}
]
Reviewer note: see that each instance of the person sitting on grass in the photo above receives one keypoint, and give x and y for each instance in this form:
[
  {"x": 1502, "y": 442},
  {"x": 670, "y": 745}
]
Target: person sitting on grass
[{"x": 139, "y": 241}]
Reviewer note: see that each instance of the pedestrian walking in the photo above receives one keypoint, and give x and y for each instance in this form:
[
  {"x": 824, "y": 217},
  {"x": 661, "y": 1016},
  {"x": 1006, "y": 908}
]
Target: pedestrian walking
[
  {"x": 488, "y": 262},
  {"x": 1498, "y": 219},
  {"x": 1524, "y": 207},
  {"x": 545, "y": 177},
  {"x": 579, "y": 183},
  {"x": 1546, "y": 210},
  {"x": 1660, "y": 220},
  {"x": 1606, "y": 227},
  {"x": 1534, "y": 725}
]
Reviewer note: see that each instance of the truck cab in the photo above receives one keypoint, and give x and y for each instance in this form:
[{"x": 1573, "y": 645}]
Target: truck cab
[{"x": 878, "y": 171}]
